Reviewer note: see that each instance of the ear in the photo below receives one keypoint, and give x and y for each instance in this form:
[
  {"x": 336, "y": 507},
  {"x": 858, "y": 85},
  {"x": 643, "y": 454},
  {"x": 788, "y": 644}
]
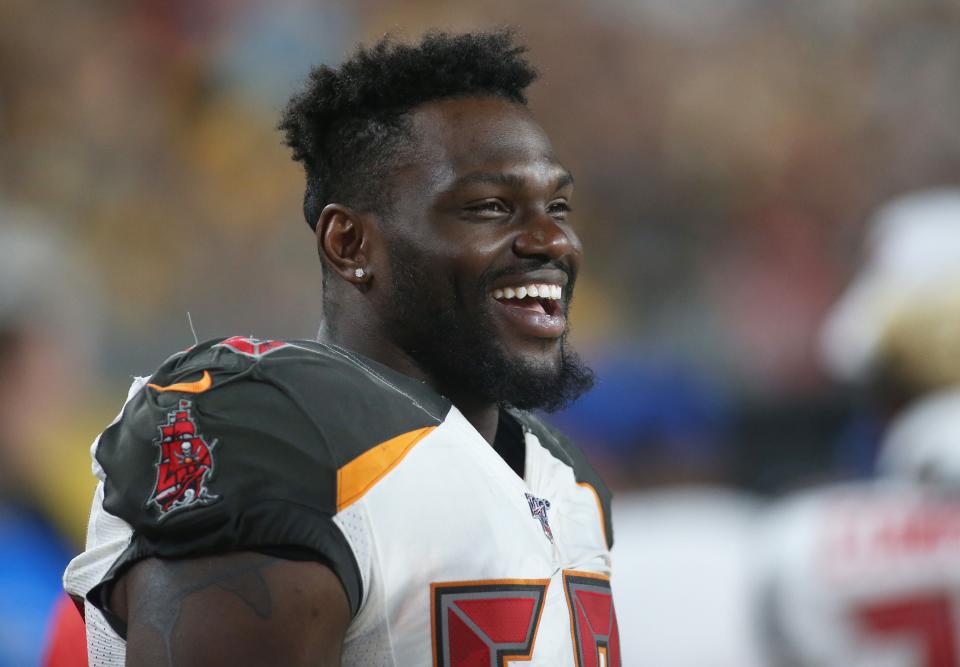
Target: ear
[{"x": 343, "y": 241}]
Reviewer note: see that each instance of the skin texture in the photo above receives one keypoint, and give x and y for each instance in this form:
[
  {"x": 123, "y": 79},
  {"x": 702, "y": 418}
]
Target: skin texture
[
  {"x": 238, "y": 609},
  {"x": 478, "y": 201}
]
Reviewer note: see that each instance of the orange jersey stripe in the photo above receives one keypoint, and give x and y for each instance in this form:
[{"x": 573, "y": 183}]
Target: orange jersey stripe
[
  {"x": 197, "y": 387},
  {"x": 357, "y": 477}
]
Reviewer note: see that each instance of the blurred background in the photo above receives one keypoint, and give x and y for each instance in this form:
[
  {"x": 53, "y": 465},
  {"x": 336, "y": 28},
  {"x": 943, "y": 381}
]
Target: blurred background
[{"x": 728, "y": 157}]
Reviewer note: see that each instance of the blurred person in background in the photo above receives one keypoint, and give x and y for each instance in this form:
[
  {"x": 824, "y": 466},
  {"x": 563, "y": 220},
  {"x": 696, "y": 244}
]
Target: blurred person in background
[
  {"x": 889, "y": 335},
  {"x": 66, "y": 643},
  {"x": 865, "y": 574},
  {"x": 48, "y": 311}
]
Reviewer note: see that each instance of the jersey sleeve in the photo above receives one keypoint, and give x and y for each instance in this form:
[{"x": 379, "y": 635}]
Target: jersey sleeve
[{"x": 218, "y": 459}]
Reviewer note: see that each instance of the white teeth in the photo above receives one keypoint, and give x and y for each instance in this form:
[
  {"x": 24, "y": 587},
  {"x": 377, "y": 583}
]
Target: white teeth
[{"x": 543, "y": 291}]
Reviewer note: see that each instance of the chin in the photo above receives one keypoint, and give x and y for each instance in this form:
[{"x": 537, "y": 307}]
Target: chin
[
  {"x": 544, "y": 365},
  {"x": 538, "y": 355},
  {"x": 544, "y": 381}
]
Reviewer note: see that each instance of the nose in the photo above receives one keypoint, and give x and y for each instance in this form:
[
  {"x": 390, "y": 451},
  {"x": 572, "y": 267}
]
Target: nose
[{"x": 544, "y": 237}]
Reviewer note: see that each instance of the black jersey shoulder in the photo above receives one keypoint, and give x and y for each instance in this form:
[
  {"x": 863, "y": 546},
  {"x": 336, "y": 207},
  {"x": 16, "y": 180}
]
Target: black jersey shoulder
[
  {"x": 358, "y": 401},
  {"x": 563, "y": 449},
  {"x": 296, "y": 411},
  {"x": 269, "y": 425}
]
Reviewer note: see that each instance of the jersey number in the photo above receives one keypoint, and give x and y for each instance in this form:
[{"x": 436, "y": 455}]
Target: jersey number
[
  {"x": 929, "y": 619},
  {"x": 596, "y": 640},
  {"x": 486, "y": 623}
]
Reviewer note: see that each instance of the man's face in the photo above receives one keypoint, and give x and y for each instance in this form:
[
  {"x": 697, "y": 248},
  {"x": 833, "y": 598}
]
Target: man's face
[{"x": 480, "y": 217}]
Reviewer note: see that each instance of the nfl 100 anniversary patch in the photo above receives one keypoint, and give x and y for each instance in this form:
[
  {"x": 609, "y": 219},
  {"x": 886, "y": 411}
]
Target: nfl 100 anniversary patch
[
  {"x": 185, "y": 464},
  {"x": 538, "y": 508}
]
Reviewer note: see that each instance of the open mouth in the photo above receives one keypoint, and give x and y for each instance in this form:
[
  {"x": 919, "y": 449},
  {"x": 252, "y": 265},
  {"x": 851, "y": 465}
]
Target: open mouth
[
  {"x": 536, "y": 308},
  {"x": 542, "y": 298}
]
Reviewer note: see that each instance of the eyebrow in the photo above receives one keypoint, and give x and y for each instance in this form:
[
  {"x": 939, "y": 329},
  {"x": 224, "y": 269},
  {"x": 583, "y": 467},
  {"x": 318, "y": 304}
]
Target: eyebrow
[{"x": 564, "y": 179}]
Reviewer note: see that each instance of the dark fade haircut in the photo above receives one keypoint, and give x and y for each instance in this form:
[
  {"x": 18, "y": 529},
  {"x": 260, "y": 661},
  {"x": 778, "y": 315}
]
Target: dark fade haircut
[{"x": 347, "y": 123}]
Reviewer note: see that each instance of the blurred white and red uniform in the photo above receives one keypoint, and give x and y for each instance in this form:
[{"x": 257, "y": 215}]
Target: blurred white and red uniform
[{"x": 868, "y": 574}]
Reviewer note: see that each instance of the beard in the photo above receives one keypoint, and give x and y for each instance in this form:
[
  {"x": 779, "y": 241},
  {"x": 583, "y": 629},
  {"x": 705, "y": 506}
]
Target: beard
[{"x": 461, "y": 349}]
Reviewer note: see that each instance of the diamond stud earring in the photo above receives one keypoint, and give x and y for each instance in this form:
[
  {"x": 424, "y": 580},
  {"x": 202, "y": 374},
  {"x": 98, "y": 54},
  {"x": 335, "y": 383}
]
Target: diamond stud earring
[{"x": 359, "y": 273}]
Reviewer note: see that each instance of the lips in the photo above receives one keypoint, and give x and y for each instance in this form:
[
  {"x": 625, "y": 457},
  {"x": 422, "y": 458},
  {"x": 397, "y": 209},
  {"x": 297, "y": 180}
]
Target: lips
[{"x": 533, "y": 322}]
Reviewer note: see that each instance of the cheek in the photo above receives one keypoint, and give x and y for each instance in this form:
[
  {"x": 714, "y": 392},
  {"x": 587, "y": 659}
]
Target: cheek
[
  {"x": 472, "y": 243},
  {"x": 574, "y": 243},
  {"x": 453, "y": 254},
  {"x": 466, "y": 257},
  {"x": 478, "y": 261}
]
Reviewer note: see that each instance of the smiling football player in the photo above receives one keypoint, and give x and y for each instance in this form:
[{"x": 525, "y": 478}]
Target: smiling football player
[{"x": 380, "y": 495}]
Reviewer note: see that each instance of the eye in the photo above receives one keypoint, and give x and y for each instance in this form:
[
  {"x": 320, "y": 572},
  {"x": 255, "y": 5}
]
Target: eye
[
  {"x": 559, "y": 209},
  {"x": 489, "y": 209}
]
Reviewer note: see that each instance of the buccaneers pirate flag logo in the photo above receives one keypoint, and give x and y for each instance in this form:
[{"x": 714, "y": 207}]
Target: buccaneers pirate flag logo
[{"x": 186, "y": 461}]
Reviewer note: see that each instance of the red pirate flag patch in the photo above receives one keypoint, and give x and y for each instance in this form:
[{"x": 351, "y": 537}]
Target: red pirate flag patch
[{"x": 186, "y": 462}]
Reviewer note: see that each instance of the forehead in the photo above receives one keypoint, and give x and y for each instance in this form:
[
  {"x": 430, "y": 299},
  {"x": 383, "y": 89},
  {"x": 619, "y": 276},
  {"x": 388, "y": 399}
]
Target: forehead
[{"x": 455, "y": 137}]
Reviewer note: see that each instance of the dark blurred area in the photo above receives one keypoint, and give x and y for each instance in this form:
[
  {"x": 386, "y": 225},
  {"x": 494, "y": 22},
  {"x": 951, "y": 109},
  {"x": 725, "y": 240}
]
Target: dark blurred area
[{"x": 727, "y": 157}]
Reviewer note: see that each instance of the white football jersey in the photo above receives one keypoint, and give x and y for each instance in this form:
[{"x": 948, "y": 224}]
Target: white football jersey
[
  {"x": 448, "y": 557},
  {"x": 863, "y": 575}
]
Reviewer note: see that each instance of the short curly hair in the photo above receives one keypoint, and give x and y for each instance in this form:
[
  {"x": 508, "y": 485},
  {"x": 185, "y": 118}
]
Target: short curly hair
[{"x": 348, "y": 122}]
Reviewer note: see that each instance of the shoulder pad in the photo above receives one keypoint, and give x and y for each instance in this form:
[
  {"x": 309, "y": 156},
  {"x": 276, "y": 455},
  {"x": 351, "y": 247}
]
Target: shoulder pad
[
  {"x": 238, "y": 443},
  {"x": 355, "y": 403},
  {"x": 296, "y": 412}
]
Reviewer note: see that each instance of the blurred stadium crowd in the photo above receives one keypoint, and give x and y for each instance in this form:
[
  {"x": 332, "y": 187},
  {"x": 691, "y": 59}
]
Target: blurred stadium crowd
[{"x": 728, "y": 157}]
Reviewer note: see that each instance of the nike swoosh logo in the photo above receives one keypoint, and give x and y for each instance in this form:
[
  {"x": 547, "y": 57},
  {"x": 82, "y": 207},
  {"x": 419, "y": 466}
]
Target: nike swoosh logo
[{"x": 197, "y": 387}]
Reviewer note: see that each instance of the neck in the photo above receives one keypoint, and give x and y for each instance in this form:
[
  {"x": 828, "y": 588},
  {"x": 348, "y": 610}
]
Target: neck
[{"x": 482, "y": 414}]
